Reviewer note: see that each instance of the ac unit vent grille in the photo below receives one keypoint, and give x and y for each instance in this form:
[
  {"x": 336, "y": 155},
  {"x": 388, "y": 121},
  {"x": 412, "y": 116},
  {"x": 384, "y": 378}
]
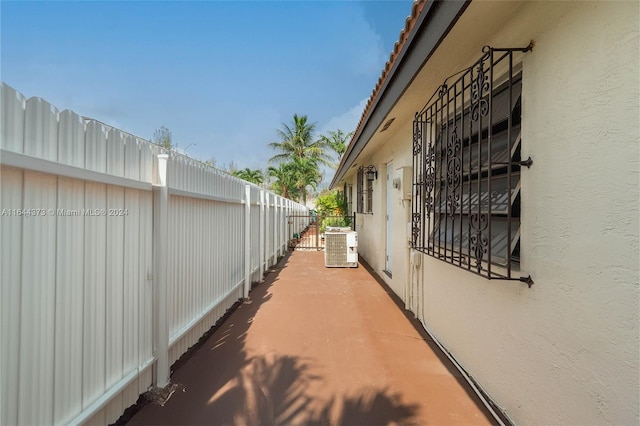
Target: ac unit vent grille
[
  {"x": 336, "y": 249},
  {"x": 340, "y": 249}
]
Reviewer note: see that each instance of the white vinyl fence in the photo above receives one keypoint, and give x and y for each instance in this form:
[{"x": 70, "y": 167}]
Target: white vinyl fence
[{"x": 115, "y": 258}]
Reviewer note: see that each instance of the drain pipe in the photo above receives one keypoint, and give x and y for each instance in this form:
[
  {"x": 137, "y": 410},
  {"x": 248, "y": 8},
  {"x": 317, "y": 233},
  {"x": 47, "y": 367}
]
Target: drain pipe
[{"x": 415, "y": 265}]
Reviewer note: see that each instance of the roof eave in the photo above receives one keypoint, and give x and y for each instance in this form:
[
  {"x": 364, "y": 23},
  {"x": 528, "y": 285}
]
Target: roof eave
[{"x": 433, "y": 22}]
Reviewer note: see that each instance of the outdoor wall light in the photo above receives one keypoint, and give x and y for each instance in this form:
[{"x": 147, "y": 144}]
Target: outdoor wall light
[{"x": 372, "y": 173}]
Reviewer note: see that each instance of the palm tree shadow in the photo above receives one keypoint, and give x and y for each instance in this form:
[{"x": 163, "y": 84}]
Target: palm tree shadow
[
  {"x": 272, "y": 391},
  {"x": 266, "y": 391},
  {"x": 219, "y": 383},
  {"x": 367, "y": 407},
  {"x": 223, "y": 346}
]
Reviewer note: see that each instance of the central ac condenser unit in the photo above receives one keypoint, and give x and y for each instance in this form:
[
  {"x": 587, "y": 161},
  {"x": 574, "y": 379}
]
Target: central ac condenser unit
[{"x": 340, "y": 248}]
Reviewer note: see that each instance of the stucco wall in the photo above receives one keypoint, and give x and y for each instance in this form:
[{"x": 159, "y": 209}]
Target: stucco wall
[
  {"x": 566, "y": 350},
  {"x": 395, "y": 147}
]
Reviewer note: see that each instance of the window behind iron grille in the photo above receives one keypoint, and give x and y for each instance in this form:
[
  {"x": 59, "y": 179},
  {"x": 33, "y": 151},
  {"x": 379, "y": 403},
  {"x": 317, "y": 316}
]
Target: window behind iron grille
[
  {"x": 360, "y": 189},
  {"x": 369, "y": 194},
  {"x": 347, "y": 192},
  {"x": 365, "y": 192},
  {"x": 466, "y": 183}
]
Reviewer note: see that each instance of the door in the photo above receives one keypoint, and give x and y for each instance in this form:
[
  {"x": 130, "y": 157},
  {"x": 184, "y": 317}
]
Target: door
[{"x": 389, "y": 218}]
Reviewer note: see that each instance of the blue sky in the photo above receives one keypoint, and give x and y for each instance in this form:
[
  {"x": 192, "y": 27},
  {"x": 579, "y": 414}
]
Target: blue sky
[{"x": 221, "y": 75}]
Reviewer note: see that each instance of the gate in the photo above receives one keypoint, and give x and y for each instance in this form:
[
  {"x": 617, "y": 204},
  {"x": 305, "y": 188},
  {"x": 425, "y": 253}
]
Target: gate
[{"x": 306, "y": 232}]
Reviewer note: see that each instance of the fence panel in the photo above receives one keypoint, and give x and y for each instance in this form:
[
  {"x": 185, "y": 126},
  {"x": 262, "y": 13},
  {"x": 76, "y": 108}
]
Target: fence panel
[
  {"x": 268, "y": 223},
  {"x": 37, "y": 308},
  {"x": 13, "y": 106},
  {"x": 204, "y": 261},
  {"x": 11, "y": 194},
  {"x": 79, "y": 309},
  {"x": 94, "y": 323},
  {"x": 69, "y": 290},
  {"x": 41, "y": 129},
  {"x": 255, "y": 233},
  {"x": 206, "y": 247}
]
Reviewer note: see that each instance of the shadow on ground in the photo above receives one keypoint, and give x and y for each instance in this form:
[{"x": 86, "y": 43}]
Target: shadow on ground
[
  {"x": 221, "y": 384},
  {"x": 273, "y": 392}
]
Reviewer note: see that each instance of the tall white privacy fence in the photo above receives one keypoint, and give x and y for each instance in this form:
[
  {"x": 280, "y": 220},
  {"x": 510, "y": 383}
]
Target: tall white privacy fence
[{"x": 115, "y": 259}]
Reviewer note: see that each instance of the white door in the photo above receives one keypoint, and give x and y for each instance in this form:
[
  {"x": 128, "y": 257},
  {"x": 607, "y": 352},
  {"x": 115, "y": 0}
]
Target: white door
[{"x": 389, "y": 218}]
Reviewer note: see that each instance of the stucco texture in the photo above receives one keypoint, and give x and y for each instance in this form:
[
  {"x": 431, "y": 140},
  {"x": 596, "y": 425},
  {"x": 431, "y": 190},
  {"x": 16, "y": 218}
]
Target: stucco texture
[{"x": 566, "y": 350}]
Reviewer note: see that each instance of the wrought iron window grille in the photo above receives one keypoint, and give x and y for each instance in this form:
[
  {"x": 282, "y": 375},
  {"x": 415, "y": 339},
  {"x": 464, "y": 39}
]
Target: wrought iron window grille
[
  {"x": 467, "y": 165},
  {"x": 347, "y": 191},
  {"x": 365, "y": 178}
]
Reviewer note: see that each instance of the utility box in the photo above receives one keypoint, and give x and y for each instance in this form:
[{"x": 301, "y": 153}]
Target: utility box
[
  {"x": 405, "y": 182},
  {"x": 340, "y": 248}
]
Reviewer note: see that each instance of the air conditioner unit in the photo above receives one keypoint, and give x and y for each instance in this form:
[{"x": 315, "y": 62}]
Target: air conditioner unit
[{"x": 340, "y": 248}]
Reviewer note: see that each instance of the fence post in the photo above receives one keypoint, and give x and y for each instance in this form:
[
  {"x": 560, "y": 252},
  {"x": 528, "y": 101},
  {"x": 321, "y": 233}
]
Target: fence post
[
  {"x": 286, "y": 235},
  {"x": 268, "y": 236},
  {"x": 284, "y": 243},
  {"x": 247, "y": 240},
  {"x": 160, "y": 247},
  {"x": 275, "y": 229},
  {"x": 262, "y": 234}
]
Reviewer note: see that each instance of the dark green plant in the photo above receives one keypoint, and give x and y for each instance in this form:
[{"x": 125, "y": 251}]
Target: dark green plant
[
  {"x": 254, "y": 176},
  {"x": 300, "y": 155},
  {"x": 337, "y": 141}
]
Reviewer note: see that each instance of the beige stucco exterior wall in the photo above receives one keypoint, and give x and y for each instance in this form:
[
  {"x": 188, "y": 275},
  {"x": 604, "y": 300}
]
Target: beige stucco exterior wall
[
  {"x": 372, "y": 231},
  {"x": 565, "y": 351}
]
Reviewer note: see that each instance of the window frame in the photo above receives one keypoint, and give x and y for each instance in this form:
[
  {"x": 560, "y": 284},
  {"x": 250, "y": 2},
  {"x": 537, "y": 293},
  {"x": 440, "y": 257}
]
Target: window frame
[
  {"x": 479, "y": 114},
  {"x": 369, "y": 193},
  {"x": 365, "y": 190},
  {"x": 359, "y": 184},
  {"x": 347, "y": 191}
]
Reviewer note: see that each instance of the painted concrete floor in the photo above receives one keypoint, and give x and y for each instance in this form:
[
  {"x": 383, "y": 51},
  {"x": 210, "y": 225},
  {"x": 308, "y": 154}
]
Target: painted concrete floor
[{"x": 317, "y": 346}]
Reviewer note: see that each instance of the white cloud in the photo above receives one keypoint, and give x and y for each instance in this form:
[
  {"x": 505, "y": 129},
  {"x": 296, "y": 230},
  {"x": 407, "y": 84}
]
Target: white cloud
[
  {"x": 346, "y": 121},
  {"x": 364, "y": 51}
]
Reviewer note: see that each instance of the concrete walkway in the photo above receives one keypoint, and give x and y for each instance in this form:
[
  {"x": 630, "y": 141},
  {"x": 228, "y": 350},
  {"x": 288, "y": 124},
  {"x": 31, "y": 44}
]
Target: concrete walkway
[{"x": 317, "y": 346}]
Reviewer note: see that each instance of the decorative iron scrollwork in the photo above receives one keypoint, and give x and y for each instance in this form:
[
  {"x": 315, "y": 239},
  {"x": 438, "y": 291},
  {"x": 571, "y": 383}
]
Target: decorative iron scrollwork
[
  {"x": 431, "y": 155},
  {"x": 454, "y": 171},
  {"x": 461, "y": 179},
  {"x": 453, "y": 147},
  {"x": 477, "y": 238},
  {"x": 443, "y": 90},
  {"x": 416, "y": 227},
  {"x": 430, "y": 179},
  {"x": 453, "y": 202},
  {"x": 415, "y": 234},
  {"x": 479, "y": 86},
  {"x": 428, "y": 205},
  {"x": 417, "y": 138}
]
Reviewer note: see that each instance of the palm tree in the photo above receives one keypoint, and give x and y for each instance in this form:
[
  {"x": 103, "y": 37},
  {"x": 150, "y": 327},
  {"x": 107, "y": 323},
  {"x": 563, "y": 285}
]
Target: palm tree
[
  {"x": 283, "y": 179},
  {"x": 305, "y": 173},
  {"x": 297, "y": 142},
  {"x": 337, "y": 141},
  {"x": 291, "y": 179},
  {"x": 255, "y": 176},
  {"x": 300, "y": 155}
]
